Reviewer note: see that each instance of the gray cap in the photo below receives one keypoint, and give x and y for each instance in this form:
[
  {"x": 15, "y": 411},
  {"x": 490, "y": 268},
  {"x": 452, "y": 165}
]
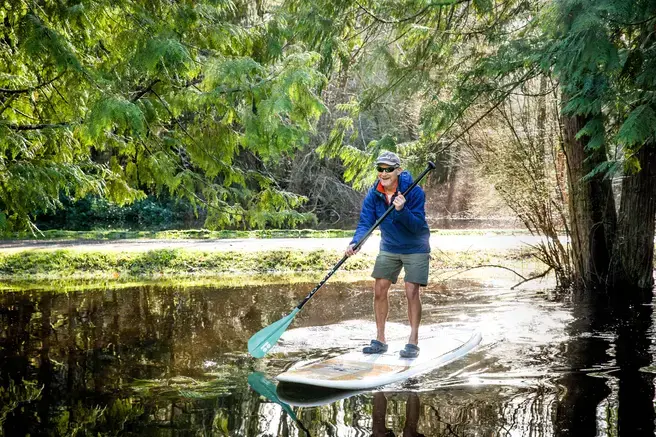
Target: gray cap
[{"x": 389, "y": 158}]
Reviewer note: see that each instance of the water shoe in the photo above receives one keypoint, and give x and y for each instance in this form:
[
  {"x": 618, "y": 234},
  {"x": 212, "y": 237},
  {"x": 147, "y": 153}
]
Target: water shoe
[
  {"x": 376, "y": 347},
  {"x": 410, "y": 351}
]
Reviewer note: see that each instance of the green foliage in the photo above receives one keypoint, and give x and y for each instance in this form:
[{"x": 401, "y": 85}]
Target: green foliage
[
  {"x": 115, "y": 115},
  {"x": 594, "y": 129},
  {"x": 160, "y": 55},
  {"x": 92, "y": 213},
  {"x": 600, "y": 52},
  {"x": 607, "y": 169},
  {"x": 124, "y": 100},
  {"x": 639, "y": 126},
  {"x": 483, "y": 6},
  {"x": 40, "y": 40},
  {"x": 358, "y": 162}
]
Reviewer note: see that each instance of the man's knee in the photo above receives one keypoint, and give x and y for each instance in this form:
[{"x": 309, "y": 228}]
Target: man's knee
[
  {"x": 381, "y": 287},
  {"x": 412, "y": 290}
]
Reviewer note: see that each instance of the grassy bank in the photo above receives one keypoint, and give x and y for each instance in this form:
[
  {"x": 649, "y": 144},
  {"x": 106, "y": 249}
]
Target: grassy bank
[
  {"x": 203, "y": 234},
  {"x": 64, "y": 268},
  {"x": 189, "y": 234},
  {"x": 170, "y": 263}
]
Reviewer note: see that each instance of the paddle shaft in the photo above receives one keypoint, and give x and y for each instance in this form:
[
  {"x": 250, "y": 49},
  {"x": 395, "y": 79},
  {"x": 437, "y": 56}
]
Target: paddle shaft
[{"x": 359, "y": 244}]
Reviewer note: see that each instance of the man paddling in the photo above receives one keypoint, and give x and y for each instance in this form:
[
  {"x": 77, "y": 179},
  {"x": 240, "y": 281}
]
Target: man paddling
[{"x": 404, "y": 244}]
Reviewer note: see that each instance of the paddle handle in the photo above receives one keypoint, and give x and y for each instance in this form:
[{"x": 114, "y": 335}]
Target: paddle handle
[{"x": 359, "y": 244}]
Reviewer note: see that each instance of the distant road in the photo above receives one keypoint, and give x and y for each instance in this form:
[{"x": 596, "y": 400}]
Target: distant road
[{"x": 460, "y": 243}]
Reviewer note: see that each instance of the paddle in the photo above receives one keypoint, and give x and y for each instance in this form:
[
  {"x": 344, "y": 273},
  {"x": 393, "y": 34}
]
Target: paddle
[{"x": 263, "y": 340}]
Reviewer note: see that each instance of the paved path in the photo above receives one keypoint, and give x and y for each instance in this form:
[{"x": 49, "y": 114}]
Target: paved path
[{"x": 461, "y": 243}]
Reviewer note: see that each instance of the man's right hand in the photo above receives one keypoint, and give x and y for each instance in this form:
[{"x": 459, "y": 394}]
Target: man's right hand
[{"x": 350, "y": 251}]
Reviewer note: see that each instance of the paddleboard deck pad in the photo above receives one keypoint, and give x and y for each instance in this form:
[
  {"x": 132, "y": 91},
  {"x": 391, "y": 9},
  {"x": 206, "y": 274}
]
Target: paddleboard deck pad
[{"x": 358, "y": 371}]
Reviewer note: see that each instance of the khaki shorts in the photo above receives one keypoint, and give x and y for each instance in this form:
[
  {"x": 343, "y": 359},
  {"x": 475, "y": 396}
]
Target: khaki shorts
[{"x": 388, "y": 266}]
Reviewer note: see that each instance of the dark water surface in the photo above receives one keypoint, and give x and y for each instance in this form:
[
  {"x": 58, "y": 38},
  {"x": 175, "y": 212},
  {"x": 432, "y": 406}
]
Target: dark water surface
[{"x": 165, "y": 361}]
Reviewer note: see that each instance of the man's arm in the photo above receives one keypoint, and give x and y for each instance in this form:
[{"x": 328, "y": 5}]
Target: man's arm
[{"x": 367, "y": 218}]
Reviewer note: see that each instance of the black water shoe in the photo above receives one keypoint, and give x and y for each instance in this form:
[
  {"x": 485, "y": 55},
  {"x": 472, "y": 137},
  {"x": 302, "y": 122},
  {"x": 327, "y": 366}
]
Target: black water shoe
[
  {"x": 376, "y": 347},
  {"x": 410, "y": 351}
]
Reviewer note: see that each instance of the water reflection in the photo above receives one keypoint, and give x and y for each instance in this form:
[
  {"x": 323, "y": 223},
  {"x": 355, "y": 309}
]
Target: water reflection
[
  {"x": 609, "y": 389},
  {"x": 173, "y": 361},
  {"x": 379, "y": 426}
]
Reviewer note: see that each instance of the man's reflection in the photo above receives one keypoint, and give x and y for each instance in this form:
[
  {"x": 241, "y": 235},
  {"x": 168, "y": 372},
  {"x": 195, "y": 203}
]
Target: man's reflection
[{"x": 380, "y": 429}]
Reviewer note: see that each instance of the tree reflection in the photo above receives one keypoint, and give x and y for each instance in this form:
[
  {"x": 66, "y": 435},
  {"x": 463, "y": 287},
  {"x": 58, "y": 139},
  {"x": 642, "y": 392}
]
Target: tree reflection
[
  {"x": 154, "y": 361},
  {"x": 606, "y": 391},
  {"x": 585, "y": 351},
  {"x": 635, "y": 402}
]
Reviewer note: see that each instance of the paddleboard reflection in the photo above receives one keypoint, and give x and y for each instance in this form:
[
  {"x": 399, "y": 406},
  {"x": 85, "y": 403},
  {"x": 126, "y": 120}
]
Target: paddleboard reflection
[{"x": 300, "y": 395}]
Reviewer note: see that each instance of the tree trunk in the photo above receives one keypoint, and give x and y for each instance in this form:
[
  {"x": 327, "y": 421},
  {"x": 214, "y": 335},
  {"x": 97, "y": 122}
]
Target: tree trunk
[
  {"x": 592, "y": 209},
  {"x": 634, "y": 245}
]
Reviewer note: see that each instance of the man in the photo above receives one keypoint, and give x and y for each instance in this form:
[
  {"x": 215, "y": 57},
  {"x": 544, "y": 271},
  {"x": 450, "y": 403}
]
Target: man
[{"x": 404, "y": 244}]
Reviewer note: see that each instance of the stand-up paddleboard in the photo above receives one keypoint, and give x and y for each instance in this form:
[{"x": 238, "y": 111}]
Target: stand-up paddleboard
[{"x": 359, "y": 371}]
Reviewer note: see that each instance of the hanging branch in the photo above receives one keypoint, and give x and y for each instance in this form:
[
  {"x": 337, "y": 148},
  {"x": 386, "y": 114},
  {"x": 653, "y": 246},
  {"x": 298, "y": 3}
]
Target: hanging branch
[
  {"x": 144, "y": 91},
  {"x": 411, "y": 17},
  {"x": 24, "y": 127},
  {"x": 30, "y": 89}
]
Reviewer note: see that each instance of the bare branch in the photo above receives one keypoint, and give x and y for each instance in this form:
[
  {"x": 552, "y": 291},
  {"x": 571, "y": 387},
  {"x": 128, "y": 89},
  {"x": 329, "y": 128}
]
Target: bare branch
[
  {"x": 541, "y": 275},
  {"x": 486, "y": 265}
]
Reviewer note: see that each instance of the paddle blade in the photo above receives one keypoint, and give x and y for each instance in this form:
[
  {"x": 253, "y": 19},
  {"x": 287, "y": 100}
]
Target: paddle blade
[{"x": 263, "y": 340}]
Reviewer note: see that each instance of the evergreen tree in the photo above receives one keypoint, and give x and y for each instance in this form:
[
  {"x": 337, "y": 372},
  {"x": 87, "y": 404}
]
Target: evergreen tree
[
  {"x": 465, "y": 59},
  {"x": 603, "y": 55},
  {"x": 121, "y": 99}
]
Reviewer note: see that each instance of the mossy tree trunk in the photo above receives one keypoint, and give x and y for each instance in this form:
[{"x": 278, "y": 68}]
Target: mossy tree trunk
[
  {"x": 634, "y": 245},
  {"x": 591, "y": 207}
]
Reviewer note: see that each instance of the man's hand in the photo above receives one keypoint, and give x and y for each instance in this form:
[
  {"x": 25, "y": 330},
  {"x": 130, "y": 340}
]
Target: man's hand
[
  {"x": 399, "y": 201},
  {"x": 349, "y": 250}
]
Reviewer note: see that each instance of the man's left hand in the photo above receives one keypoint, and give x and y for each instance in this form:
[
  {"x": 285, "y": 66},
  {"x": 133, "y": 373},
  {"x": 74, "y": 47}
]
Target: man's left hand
[{"x": 399, "y": 201}]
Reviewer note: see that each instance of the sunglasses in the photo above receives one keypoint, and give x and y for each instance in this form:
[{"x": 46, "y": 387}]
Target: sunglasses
[{"x": 386, "y": 170}]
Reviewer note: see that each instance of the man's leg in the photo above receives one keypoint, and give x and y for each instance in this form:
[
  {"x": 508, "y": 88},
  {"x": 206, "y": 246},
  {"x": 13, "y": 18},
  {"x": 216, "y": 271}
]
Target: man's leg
[
  {"x": 414, "y": 310},
  {"x": 381, "y": 306},
  {"x": 379, "y": 415},
  {"x": 411, "y": 416}
]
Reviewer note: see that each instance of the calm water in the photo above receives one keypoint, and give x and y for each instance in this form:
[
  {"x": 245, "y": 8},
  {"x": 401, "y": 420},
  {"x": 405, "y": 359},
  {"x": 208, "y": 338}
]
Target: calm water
[{"x": 152, "y": 361}]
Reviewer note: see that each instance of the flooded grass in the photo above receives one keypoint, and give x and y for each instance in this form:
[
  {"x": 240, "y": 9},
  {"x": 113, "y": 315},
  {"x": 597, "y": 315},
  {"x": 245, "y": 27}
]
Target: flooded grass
[{"x": 76, "y": 269}]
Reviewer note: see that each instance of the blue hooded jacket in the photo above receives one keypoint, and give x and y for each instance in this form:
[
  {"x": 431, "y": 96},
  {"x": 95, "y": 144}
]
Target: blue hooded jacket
[{"x": 402, "y": 232}]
